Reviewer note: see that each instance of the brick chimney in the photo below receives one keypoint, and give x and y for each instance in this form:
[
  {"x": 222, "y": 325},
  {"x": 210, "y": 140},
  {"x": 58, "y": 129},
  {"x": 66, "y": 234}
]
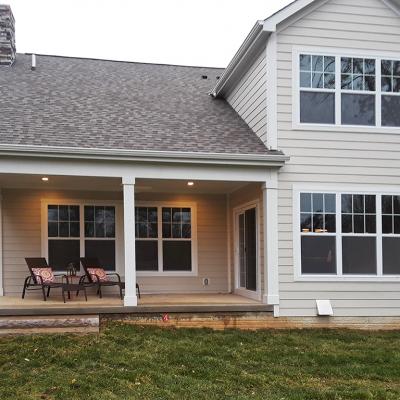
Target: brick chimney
[{"x": 7, "y": 36}]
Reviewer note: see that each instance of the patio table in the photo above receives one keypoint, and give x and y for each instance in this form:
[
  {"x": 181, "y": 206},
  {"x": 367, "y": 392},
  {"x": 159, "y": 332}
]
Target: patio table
[{"x": 68, "y": 287}]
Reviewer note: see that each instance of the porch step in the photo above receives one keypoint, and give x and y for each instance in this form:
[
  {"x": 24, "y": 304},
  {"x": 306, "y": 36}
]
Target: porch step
[
  {"x": 213, "y": 320},
  {"x": 81, "y": 324}
]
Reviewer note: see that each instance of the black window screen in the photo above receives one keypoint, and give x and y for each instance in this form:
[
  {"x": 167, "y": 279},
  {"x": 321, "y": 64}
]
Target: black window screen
[
  {"x": 64, "y": 252},
  {"x": 359, "y": 255},
  {"x": 318, "y": 255},
  {"x": 177, "y": 255},
  {"x": 391, "y": 255},
  {"x": 103, "y": 250},
  {"x": 146, "y": 255}
]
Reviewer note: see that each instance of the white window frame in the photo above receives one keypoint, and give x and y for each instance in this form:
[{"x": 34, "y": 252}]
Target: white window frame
[
  {"x": 338, "y": 53},
  {"x": 159, "y": 205},
  {"x": 82, "y": 203},
  {"x": 378, "y": 191}
]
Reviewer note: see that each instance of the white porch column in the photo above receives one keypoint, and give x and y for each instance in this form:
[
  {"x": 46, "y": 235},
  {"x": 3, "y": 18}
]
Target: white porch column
[
  {"x": 1, "y": 246},
  {"x": 130, "y": 298},
  {"x": 271, "y": 274}
]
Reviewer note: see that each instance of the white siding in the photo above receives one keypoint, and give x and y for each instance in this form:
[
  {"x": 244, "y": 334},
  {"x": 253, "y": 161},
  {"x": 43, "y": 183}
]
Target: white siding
[
  {"x": 248, "y": 98},
  {"x": 334, "y": 157},
  {"x": 22, "y": 238}
]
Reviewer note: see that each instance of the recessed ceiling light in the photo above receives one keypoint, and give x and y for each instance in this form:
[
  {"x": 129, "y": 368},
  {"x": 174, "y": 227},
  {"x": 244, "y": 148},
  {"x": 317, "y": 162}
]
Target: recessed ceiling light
[
  {"x": 45, "y": 179},
  {"x": 190, "y": 183}
]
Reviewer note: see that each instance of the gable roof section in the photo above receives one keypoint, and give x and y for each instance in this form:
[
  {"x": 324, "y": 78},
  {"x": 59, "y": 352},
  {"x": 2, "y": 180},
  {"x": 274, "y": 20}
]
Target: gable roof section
[
  {"x": 259, "y": 36},
  {"x": 106, "y": 105}
]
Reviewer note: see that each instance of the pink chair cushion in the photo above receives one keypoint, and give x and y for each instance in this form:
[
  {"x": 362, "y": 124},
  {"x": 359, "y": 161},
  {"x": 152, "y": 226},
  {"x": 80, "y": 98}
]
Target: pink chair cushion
[
  {"x": 98, "y": 274},
  {"x": 45, "y": 273}
]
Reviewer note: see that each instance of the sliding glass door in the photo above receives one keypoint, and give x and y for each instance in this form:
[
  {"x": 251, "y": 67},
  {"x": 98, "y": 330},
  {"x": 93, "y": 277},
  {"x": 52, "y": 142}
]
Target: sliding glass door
[{"x": 247, "y": 249}]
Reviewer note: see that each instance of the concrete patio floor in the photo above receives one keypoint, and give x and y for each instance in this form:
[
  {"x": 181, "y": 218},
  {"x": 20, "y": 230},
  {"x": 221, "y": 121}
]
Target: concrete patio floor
[
  {"x": 153, "y": 303},
  {"x": 114, "y": 301}
]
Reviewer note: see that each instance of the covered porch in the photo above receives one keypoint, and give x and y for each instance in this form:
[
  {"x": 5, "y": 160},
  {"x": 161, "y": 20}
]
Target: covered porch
[{"x": 182, "y": 240}]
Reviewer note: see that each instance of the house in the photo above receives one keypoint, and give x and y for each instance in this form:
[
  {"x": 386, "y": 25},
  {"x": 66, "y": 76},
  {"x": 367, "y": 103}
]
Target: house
[{"x": 276, "y": 179}]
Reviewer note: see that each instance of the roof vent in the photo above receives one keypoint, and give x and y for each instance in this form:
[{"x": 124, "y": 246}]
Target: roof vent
[
  {"x": 204, "y": 77},
  {"x": 33, "y": 67},
  {"x": 218, "y": 78}
]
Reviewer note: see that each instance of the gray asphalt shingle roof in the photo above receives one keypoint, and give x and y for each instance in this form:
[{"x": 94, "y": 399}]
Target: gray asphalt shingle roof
[{"x": 118, "y": 105}]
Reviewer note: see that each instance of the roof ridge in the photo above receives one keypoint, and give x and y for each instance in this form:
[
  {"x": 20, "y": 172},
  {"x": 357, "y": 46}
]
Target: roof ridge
[{"x": 122, "y": 61}]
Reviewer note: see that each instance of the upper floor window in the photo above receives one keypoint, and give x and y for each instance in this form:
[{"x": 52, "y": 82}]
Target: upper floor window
[
  {"x": 358, "y": 91},
  {"x": 317, "y": 93},
  {"x": 390, "y": 92},
  {"x": 342, "y": 90}
]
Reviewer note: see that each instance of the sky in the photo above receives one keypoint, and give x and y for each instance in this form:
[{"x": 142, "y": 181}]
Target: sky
[{"x": 183, "y": 32}]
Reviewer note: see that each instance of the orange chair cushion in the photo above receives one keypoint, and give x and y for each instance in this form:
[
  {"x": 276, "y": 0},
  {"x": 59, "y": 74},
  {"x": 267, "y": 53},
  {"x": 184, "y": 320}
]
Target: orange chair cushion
[{"x": 45, "y": 273}]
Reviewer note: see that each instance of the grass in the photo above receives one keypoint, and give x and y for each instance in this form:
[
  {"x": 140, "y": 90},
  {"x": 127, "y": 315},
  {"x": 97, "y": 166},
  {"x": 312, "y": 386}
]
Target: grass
[{"x": 128, "y": 362}]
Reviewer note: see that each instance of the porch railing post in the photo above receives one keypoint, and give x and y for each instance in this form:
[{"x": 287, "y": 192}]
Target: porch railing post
[
  {"x": 271, "y": 273},
  {"x": 130, "y": 298}
]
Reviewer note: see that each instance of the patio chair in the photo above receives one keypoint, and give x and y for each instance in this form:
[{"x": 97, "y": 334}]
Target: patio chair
[
  {"x": 95, "y": 274},
  {"x": 41, "y": 277}
]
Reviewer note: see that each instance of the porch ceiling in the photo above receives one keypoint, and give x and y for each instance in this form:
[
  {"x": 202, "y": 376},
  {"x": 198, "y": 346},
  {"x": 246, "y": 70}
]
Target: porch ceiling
[
  {"x": 181, "y": 186},
  {"x": 21, "y": 181}
]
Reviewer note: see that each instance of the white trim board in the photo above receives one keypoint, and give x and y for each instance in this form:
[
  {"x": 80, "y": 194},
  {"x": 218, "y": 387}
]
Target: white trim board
[
  {"x": 1, "y": 246},
  {"x": 271, "y": 251},
  {"x": 140, "y": 155},
  {"x": 300, "y": 6},
  {"x": 272, "y": 92},
  {"x": 131, "y": 170}
]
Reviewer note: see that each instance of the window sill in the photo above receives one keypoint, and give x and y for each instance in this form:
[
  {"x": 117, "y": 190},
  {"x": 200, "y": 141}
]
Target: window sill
[
  {"x": 346, "y": 128},
  {"x": 350, "y": 278}
]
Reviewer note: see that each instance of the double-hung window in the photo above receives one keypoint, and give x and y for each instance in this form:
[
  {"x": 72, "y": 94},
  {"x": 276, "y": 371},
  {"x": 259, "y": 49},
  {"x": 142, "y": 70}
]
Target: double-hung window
[
  {"x": 79, "y": 230},
  {"x": 318, "y": 228},
  {"x": 165, "y": 239},
  {"x": 317, "y": 89},
  {"x": 146, "y": 220},
  {"x": 347, "y": 90},
  {"x": 347, "y": 235},
  {"x": 99, "y": 234},
  {"x": 358, "y": 234},
  {"x": 391, "y": 234},
  {"x": 358, "y": 95},
  {"x": 390, "y": 81},
  {"x": 63, "y": 235}
]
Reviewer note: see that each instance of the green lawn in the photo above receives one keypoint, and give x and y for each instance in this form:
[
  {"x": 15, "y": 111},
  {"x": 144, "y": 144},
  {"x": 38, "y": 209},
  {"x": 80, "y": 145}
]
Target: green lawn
[{"x": 127, "y": 362}]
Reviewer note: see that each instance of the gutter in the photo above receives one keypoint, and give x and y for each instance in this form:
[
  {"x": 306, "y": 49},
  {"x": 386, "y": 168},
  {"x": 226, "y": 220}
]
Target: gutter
[
  {"x": 277, "y": 160},
  {"x": 244, "y": 51}
]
